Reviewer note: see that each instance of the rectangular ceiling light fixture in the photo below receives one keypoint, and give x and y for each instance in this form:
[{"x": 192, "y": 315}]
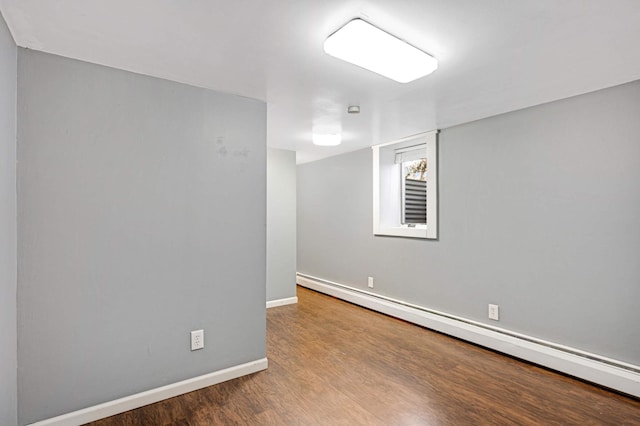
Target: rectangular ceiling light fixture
[
  {"x": 366, "y": 46},
  {"x": 326, "y": 140}
]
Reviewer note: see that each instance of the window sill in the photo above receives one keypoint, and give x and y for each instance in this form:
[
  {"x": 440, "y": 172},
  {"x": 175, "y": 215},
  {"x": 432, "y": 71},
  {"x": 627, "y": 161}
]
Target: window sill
[{"x": 419, "y": 231}]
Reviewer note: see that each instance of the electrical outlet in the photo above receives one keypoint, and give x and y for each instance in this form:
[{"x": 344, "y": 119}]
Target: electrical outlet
[
  {"x": 370, "y": 283},
  {"x": 494, "y": 312},
  {"x": 197, "y": 340}
]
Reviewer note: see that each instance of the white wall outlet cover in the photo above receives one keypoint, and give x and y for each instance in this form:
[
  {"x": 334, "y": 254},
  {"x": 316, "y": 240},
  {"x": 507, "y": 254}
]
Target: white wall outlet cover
[
  {"x": 197, "y": 340},
  {"x": 494, "y": 312},
  {"x": 370, "y": 282}
]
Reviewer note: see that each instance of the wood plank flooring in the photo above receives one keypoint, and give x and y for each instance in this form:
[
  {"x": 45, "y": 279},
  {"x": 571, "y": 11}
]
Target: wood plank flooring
[{"x": 333, "y": 363}]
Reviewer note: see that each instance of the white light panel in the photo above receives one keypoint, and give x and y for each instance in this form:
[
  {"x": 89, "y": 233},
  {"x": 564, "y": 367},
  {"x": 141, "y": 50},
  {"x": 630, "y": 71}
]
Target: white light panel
[
  {"x": 327, "y": 140},
  {"x": 366, "y": 46}
]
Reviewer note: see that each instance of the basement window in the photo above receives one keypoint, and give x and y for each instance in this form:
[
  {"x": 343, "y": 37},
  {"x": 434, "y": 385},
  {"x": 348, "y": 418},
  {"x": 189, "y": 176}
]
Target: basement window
[{"x": 405, "y": 197}]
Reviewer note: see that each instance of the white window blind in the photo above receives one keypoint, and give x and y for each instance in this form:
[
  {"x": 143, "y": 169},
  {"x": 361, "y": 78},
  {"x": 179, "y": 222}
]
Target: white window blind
[{"x": 414, "y": 206}]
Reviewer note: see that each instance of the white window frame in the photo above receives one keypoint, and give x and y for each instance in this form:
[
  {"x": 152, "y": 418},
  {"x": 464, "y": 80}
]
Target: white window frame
[{"x": 381, "y": 226}]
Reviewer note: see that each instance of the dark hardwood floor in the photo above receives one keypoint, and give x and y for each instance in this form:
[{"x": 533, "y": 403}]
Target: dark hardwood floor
[{"x": 333, "y": 363}]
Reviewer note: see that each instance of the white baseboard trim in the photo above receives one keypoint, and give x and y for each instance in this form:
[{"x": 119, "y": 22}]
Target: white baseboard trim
[
  {"x": 141, "y": 399},
  {"x": 282, "y": 302},
  {"x": 594, "y": 368}
]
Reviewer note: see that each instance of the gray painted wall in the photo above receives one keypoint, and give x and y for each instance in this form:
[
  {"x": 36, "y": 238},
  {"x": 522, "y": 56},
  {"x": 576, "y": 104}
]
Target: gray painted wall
[
  {"x": 8, "y": 360},
  {"x": 141, "y": 206},
  {"x": 539, "y": 213},
  {"x": 281, "y": 224}
]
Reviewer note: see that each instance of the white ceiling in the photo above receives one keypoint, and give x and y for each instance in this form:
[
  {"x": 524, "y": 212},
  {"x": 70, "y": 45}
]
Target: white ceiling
[{"x": 494, "y": 55}]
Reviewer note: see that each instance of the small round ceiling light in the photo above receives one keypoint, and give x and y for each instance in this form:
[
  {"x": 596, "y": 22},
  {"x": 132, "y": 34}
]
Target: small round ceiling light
[
  {"x": 353, "y": 109},
  {"x": 327, "y": 139}
]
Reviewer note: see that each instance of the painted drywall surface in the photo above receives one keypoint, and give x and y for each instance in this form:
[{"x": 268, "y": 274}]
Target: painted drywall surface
[
  {"x": 539, "y": 214},
  {"x": 141, "y": 217},
  {"x": 8, "y": 360},
  {"x": 281, "y": 224}
]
